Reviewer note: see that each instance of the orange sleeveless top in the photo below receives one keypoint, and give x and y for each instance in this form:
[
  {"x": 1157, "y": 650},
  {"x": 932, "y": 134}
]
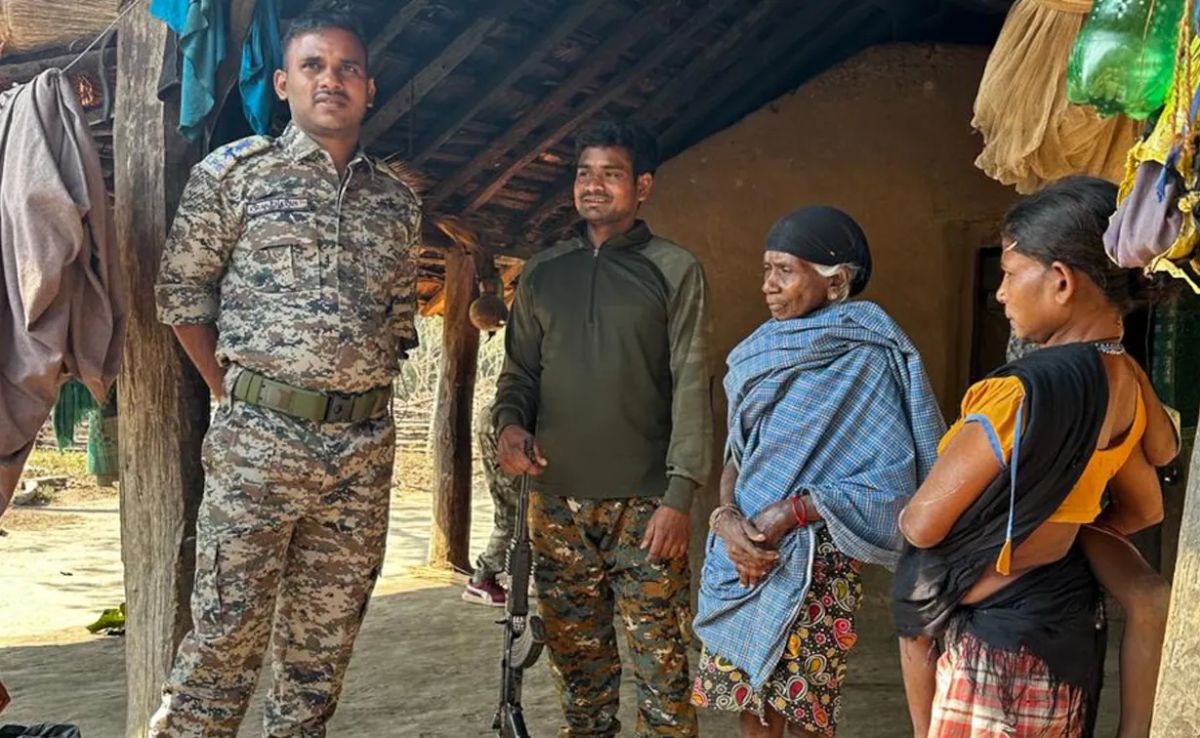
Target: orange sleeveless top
[{"x": 998, "y": 399}]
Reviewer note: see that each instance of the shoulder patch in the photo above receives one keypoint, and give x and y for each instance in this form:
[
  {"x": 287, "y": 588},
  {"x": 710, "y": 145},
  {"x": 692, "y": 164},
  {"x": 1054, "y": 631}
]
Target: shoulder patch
[{"x": 221, "y": 161}]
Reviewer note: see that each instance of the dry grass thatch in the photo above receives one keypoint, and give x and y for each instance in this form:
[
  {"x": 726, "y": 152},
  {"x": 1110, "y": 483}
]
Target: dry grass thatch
[{"x": 30, "y": 25}]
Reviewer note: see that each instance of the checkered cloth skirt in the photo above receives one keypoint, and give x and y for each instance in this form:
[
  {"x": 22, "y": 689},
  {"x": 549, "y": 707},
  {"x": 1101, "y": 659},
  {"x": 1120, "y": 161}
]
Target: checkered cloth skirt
[{"x": 986, "y": 692}]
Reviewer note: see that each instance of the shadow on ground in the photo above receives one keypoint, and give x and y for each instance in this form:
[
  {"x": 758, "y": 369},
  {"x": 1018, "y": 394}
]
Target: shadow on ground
[{"x": 426, "y": 666}]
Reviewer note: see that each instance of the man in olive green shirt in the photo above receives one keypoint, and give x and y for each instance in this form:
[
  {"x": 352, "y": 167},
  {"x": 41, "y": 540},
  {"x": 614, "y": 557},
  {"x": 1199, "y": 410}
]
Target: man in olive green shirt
[{"x": 605, "y": 399}]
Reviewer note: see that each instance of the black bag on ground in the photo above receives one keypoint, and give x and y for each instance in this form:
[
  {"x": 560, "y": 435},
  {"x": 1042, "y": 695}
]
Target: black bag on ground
[{"x": 45, "y": 730}]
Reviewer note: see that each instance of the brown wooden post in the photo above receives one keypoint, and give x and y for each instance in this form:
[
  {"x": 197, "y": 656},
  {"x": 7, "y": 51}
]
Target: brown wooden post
[
  {"x": 450, "y": 538},
  {"x": 1177, "y": 704},
  {"x": 163, "y": 403}
]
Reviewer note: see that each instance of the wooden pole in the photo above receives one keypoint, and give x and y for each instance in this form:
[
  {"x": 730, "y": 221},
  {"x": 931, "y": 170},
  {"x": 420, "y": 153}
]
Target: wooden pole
[
  {"x": 1177, "y": 703},
  {"x": 163, "y": 404},
  {"x": 450, "y": 537},
  {"x": 162, "y": 400}
]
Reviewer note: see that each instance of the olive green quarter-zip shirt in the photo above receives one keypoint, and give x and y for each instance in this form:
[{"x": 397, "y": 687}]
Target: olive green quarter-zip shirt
[{"x": 606, "y": 362}]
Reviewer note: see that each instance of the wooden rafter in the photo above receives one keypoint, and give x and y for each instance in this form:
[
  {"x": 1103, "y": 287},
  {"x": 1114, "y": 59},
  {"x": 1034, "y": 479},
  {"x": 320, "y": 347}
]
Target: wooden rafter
[
  {"x": 26, "y": 70},
  {"x": 599, "y": 100},
  {"x": 395, "y": 27},
  {"x": 497, "y": 84},
  {"x": 679, "y": 91},
  {"x": 816, "y": 52},
  {"x": 604, "y": 57},
  {"x": 686, "y": 85},
  {"x": 418, "y": 86},
  {"x": 741, "y": 75}
]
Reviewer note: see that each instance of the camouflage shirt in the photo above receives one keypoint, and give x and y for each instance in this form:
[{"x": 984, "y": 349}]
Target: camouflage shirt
[{"x": 310, "y": 279}]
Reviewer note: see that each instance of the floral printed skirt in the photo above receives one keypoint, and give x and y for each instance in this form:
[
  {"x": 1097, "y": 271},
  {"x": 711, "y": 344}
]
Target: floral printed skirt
[{"x": 806, "y": 686}]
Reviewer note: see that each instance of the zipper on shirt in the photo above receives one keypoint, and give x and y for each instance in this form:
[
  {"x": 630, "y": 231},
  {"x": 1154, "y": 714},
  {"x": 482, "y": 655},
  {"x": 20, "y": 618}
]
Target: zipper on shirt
[
  {"x": 337, "y": 231},
  {"x": 592, "y": 286}
]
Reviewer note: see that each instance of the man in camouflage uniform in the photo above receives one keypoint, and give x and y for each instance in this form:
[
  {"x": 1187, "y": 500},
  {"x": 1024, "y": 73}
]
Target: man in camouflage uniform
[
  {"x": 483, "y": 587},
  {"x": 288, "y": 278},
  {"x": 606, "y": 364}
]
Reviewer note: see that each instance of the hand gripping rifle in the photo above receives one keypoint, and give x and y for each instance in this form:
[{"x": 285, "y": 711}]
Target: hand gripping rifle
[{"x": 524, "y": 634}]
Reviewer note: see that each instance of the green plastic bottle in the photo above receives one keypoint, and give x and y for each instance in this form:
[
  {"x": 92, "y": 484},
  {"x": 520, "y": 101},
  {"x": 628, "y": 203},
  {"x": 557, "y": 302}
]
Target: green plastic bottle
[{"x": 1124, "y": 57}]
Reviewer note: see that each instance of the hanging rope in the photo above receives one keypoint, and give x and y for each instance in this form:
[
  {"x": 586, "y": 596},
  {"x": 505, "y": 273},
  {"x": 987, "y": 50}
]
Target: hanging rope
[{"x": 103, "y": 33}]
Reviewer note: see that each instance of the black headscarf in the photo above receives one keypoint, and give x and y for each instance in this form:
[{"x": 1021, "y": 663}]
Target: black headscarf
[{"x": 826, "y": 236}]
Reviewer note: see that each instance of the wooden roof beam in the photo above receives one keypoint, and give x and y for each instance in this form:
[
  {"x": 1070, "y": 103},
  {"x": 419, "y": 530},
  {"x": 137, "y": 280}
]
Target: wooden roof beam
[
  {"x": 597, "y": 102},
  {"x": 688, "y": 82},
  {"x": 395, "y": 27},
  {"x": 747, "y": 71},
  {"x": 602, "y": 59},
  {"x": 27, "y": 70},
  {"x": 567, "y": 22},
  {"x": 869, "y": 25},
  {"x": 678, "y": 91},
  {"x": 404, "y": 99}
]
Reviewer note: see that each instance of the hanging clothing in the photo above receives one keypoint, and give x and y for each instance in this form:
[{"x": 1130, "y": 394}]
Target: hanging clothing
[
  {"x": 262, "y": 54},
  {"x": 62, "y": 309},
  {"x": 1031, "y": 134},
  {"x": 836, "y": 404},
  {"x": 73, "y": 406},
  {"x": 1154, "y": 226},
  {"x": 202, "y": 26}
]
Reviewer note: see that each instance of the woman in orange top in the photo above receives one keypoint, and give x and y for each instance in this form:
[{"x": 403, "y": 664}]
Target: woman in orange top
[{"x": 1059, "y": 290}]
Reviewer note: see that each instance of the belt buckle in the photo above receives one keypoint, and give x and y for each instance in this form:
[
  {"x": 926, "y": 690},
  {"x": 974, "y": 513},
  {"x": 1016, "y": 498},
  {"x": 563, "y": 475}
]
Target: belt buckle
[{"x": 339, "y": 406}]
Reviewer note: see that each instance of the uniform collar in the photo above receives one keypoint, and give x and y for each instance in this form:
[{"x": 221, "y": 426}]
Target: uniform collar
[
  {"x": 635, "y": 236},
  {"x": 301, "y": 146}
]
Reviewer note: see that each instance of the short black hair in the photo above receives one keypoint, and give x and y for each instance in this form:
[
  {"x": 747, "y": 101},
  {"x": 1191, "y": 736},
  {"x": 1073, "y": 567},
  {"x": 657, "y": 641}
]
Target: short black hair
[
  {"x": 639, "y": 142},
  {"x": 321, "y": 21},
  {"x": 1065, "y": 222}
]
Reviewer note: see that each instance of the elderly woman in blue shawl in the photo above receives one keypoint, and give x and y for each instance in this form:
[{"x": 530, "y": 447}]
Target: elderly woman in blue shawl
[{"x": 832, "y": 427}]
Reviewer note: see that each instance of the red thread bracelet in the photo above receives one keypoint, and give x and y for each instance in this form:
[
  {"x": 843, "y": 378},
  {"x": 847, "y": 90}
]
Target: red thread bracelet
[{"x": 800, "y": 511}]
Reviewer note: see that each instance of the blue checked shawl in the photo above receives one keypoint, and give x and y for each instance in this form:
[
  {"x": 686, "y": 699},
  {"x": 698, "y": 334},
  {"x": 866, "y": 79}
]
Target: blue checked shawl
[{"x": 837, "y": 404}]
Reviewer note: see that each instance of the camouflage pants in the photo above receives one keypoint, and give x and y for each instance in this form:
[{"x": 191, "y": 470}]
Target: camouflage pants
[
  {"x": 289, "y": 541},
  {"x": 504, "y": 502},
  {"x": 586, "y": 559}
]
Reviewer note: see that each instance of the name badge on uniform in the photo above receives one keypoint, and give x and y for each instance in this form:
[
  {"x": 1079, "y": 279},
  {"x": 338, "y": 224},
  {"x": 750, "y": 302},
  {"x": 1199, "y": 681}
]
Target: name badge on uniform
[{"x": 277, "y": 205}]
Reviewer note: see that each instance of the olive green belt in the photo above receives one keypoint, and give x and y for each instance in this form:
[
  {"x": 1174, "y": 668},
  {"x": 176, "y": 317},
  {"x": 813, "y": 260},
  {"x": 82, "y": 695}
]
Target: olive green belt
[{"x": 322, "y": 407}]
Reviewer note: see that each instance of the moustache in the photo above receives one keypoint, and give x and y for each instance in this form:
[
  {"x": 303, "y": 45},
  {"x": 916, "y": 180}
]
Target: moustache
[{"x": 320, "y": 96}]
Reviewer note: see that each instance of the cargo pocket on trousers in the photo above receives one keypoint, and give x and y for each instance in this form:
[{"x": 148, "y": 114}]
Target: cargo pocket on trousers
[{"x": 208, "y": 605}]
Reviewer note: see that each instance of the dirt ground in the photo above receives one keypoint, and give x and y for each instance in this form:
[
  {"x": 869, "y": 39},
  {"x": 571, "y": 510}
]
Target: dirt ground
[{"x": 425, "y": 665}]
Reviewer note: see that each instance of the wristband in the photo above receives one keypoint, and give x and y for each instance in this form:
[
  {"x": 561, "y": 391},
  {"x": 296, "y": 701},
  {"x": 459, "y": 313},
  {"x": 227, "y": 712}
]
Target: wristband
[
  {"x": 717, "y": 512},
  {"x": 800, "y": 510}
]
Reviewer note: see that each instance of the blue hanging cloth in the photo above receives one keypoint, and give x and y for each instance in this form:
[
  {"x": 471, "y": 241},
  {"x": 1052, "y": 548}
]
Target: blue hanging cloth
[
  {"x": 202, "y": 27},
  {"x": 262, "y": 54}
]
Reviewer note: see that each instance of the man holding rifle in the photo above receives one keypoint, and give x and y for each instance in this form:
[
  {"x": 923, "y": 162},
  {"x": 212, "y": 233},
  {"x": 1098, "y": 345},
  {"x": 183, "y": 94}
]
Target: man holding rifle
[{"x": 606, "y": 375}]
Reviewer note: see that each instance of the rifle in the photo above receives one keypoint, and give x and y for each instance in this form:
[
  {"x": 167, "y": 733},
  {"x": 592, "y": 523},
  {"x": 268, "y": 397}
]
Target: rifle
[{"x": 524, "y": 634}]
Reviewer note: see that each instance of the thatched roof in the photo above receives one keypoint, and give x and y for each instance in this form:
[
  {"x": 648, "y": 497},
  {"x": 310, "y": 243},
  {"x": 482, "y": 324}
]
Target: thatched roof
[{"x": 29, "y": 26}]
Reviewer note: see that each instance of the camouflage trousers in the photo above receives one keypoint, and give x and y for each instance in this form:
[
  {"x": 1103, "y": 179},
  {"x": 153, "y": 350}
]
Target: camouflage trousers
[
  {"x": 289, "y": 541},
  {"x": 504, "y": 517},
  {"x": 586, "y": 560}
]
